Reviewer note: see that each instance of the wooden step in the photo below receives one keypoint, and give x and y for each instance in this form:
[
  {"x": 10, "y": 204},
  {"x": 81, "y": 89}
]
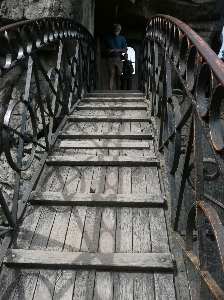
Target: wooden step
[
  {"x": 112, "y": 261},
  {"x": 95, "y": 144},
  {"x": 111, "y": 99},
  {"x": 122, "y": 94},
  {"x": 92, "y": 199},
  {"x": 90, "y": 160},
  {"x": 100, "y": 118},
  {"x": 112, "y": 106},
  {"x": 106, "y": 135}
]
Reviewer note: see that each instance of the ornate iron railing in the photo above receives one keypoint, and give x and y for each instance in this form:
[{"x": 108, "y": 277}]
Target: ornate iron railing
[
  {"x": 184, "y": 82},
  {"x": 46, "y": 66}
]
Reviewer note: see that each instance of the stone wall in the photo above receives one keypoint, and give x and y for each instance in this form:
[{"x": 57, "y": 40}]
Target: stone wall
[{"x": 17, "y": 10}]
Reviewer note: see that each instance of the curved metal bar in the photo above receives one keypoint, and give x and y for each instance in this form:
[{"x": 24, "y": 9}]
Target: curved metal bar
[
  {"x": 185, "y": 83},
  {"x": 208, "y": 54},
  {"x": 217, "y": 227},
  {"x": 48, "y": 87}
]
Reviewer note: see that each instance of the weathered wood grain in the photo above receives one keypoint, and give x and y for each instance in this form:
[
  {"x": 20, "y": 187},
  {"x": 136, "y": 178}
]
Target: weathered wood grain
[
  {"x": 164, "y": 287},
  {"x": 105, "y": 135},
  {"x": 141, "y": 231},
  {"x": 25, "y": 288},
  {"x": 158, "y": 230},
  {"x": 123, "y": 286},
  {"x": 45, "y": 285},
  {"x": 95, "y": 144},
  {"x": 73, "y": 237},
  {"x": 25, "y": 232},
  {"x": 116, "y": 261},
  {"x": 59, "y": 228},
  {"x": 100, "y": 118},
  {"x": 116, "y": 94},
  {"x": 91, "y": 231},
  {"x": 89, "y": 160},
  {"x": 84, "y": 285},
  {"x": 94, "y": 198},
  {"x": 103, "y": 286},
  {"x": 106, "y": 106},
  {"x": 9, "y": 279},
  {"x": 64, "y": 285},
  {"x": 143, "y": 287}
]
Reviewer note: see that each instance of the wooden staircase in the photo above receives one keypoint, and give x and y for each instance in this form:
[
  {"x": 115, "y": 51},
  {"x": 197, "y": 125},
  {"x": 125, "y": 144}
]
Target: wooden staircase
[{"x": 95, "y": 227}]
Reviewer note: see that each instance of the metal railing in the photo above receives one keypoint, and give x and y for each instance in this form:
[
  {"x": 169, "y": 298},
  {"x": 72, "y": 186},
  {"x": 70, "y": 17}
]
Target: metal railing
[
  {"x": 184, "y": 82},
  {"x": 46, "y": 66}
]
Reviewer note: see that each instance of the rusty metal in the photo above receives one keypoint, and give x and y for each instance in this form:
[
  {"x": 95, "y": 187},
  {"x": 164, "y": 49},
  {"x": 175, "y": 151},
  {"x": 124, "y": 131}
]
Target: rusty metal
[
  {"x": 184, "y": 81},
  {"x": 46, "y": 94}
]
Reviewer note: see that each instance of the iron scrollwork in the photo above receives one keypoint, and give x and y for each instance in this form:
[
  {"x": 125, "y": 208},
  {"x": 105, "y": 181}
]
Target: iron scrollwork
[
  {"x": 46, "y": 67},
  {"x": 183, "y": 80}
]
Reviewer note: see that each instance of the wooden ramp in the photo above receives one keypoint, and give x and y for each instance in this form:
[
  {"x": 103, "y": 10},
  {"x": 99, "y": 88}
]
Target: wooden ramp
[{"x": 95, "y": 227}]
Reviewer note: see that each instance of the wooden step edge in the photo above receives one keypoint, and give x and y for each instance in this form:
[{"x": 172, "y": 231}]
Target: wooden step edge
[
  {"x": 95, "y": 144},
  {"x": 112, "y": 99},
  {"x": 105, "y": 136},
  {"x": 143, "y": 108},
  {"x": 90, "y": 160},
  {"x": 103, "y": 261},
  {"x": 92, "y": 199},
  {"x": 108, "y": 119}
]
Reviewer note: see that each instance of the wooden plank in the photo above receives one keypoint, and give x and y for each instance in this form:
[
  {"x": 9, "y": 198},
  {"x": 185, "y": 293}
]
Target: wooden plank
[
  {"x": 152, "y": 181},
  {"x": 138, "y": 180},
  {"x": 122, "y": 106},
  {"x": 9, "y": 278},
  {"x": 89, "y": 160},
  {"x": 91, "y": 232},
  {"x": 97, "y": 183},
  {"x": 164, "y": 287},
  {"x": 75, "y": 230},
  {"x": 95, "y": 144},
  {"x": 144, "y": 287},
  {"x": 104, "y": 280},
  {"x": 64, "y": 286},
  {"x": 103, "y": 286},
  {"x": 158, "y": 230},
  {"x": 102, "y": 118},
  {"x": 59, "y": 228},
  {"x": 114, "y": 94},
  {"x": 115, "y": 261},
  {"x": 25, "y": 232},
  {"x": 45, "y": 284},
  {"x": 25, "y": 288},
  {"x": 57, "y": 198},
  {"x": 73, "y": 237},
  {"x": 84, "y": 285},
  {"x": 105, "y": 135},
  {"x": 123, "y": 286},
  {"x": 141, "y": 231}
]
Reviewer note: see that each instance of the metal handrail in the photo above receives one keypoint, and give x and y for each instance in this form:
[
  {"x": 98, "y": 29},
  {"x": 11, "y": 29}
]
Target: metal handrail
[
  {"x": 46, "y": 94},
  {"x": 183, "y": 80}
]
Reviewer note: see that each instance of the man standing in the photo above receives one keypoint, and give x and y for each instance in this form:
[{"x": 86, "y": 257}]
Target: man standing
[{"x": 115, "y": 45}]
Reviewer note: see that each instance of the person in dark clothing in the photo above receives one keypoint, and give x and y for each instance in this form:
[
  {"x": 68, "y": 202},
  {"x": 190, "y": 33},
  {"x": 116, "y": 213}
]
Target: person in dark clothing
[
  {"x": 115, "y": 45},
  {"x": 127, "y": 73},
  {"x": 222, "y": 58}
]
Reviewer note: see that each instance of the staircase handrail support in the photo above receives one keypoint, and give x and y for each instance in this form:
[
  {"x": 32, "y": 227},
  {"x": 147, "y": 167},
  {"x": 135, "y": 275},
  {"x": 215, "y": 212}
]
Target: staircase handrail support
[
  {"x": 49, "y": 96},
  {"x": 168, "y": 45}
]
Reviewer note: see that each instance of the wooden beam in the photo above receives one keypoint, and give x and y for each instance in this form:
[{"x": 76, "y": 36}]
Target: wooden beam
[
  {"x": 106, "y": 135},
  {"x": 90, "y": 160},
  {"x": 95, "y": 144},
  {"x": 99, "y": 118},
  {"x": 112, "y": 261},
  {"x": 78, "y": 199},
  {"x": 114, "y": 106},
  {"x": 112, "y": 99}
]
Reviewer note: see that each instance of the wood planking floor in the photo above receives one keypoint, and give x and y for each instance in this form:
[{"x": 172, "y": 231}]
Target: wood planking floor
[{"x": 94, "y": 228}]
